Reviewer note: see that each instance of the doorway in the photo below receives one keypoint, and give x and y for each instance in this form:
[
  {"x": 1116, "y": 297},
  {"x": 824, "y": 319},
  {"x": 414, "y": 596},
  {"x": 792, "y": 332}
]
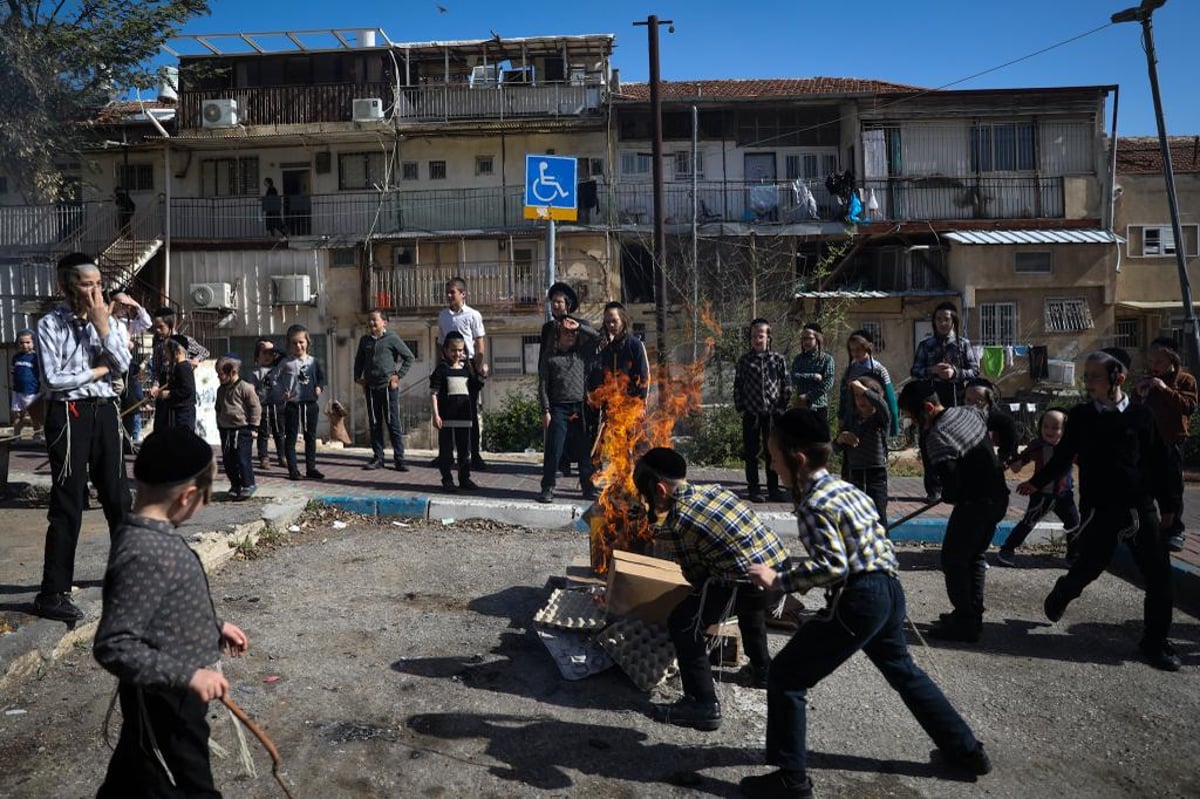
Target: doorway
[
  {"x": 762, "y": 195},
  {"x": 297, "y": 204}
]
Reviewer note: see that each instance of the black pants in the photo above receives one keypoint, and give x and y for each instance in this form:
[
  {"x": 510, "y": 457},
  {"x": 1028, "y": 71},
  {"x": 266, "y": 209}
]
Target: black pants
[
  {"x": 874, "y": 483},
  {"x": 695, "y": 671},
  {"x": 1097, "y": 542},
  {"x": 271, "y": 427},
  {"x": 237, "y": 443},
  {"x": 174, "y": 723},
  {"x": 450, "y": 439},
  {"x": 474, "y": 389},
  {"x": 1175, "y": 463},
  {"x": 1064, "y": 508},
  {"x": 566, "y": 437},
  {"x": 168, "y": 415},
  {"x": 82, "y": 439},
  {"x": 933, "y": 483},
  {"x": 383, "y": 412},
  {"x": 869, "y": 616},
  {"x": 969, "y": 533},
  {"x": 300, "y": 417},
  {"x": 756, "y": 430}
]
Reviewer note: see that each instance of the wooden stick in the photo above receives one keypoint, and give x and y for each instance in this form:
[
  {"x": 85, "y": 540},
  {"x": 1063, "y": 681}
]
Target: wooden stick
[
  {"x": 267, "y": 743},
  {"x": 892, "y": 525}
]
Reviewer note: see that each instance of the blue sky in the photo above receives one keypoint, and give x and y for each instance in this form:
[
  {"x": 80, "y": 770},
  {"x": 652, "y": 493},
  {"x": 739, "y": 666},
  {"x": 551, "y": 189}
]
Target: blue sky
[{"x": 922, "y": 42}]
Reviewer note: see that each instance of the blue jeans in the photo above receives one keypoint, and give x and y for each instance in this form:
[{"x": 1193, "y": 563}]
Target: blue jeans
[
  {"x": 383, "y": 408},
  {"x": 869, "y": 616},
  {"x": 566, "y": 433}
]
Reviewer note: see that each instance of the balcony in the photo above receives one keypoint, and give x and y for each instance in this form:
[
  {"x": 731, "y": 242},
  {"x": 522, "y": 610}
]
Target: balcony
[
  {"x": 284, "y": 105},
  {"x": 498, "y": 286},
  {"x": 916, "y": 199},
  {"x": 449, "y": 102}
]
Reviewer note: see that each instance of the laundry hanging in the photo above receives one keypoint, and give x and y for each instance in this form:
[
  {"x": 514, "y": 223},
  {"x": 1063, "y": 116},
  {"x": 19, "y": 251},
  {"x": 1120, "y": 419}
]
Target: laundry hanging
[{"x": 992, "y": 363}]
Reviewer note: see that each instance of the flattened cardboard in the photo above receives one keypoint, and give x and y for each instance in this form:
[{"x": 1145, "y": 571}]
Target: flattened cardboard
[{"x": 640, "y": 588}]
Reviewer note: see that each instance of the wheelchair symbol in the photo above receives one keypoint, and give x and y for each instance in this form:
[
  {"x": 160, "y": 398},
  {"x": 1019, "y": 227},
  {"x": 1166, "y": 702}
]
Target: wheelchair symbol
[{"x": 546, "y": 183}]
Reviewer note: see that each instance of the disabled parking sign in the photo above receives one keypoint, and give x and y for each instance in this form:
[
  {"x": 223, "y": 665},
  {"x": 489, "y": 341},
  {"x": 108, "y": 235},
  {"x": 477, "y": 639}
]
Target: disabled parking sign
[{"x": 550, "y": 182}]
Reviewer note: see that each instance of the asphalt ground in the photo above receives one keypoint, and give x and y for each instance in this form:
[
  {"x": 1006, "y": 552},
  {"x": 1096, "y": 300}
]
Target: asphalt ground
[{"x": 397, "y": 658}]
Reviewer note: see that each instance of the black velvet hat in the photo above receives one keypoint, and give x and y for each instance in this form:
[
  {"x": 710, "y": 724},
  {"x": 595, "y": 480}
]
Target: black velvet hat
[
  {"x": 170, "y": 456},
  {"x": 566, "y": 291}
]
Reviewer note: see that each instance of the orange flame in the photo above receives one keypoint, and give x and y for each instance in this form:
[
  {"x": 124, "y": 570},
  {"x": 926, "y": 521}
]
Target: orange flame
[{"x": 617, "y": 520}]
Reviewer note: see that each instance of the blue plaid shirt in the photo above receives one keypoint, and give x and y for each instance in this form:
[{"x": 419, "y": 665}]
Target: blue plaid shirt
[
  {"x": 69, "y": 347},
  {"x": 840, "y": 528},
  {"x": 713, "y": 534}
]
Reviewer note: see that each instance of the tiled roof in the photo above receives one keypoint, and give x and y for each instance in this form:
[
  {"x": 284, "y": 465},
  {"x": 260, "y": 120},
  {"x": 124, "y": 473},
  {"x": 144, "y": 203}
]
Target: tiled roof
[
  {"x": 1142, "y": 154},
  {"x": 763, "y": 87}
]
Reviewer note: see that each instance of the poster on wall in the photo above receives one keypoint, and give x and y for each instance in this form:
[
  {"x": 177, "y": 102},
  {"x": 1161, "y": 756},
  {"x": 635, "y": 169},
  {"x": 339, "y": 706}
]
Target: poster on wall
[{"x": 206, "y": 402}]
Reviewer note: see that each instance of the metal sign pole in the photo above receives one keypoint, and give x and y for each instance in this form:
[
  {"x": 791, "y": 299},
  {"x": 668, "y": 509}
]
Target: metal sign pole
[{"x": 551, "y": 252}]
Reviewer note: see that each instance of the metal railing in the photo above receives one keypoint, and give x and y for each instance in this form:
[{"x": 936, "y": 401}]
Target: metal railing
[
  {"x": 938, "y": 197},
  {"x": 284, "y": 105},
  {"x": 441, "y": 103},
  {"x": 492, "y": 284}
]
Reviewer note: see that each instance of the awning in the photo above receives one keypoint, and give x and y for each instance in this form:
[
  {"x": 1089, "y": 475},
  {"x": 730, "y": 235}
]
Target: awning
[
  {"x": 1154, "y": 305},
  {"x": 1011, "y": 237}
]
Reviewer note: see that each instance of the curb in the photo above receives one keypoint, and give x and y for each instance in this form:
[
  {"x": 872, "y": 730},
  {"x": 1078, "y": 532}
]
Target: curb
[{"x": 523, "y": 514}]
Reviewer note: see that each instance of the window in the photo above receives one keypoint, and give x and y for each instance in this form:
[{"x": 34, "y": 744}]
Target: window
[
  {"x": 636, "y": 163},
  {"x": 805, "y": 166},
  {"x": 1128, "y": 333},
  {"x": 1032, "y": 263},
  {"x": 229, "y": 177},
  {"x": 1002, "y": 148},
  {"x": 483, "y": 165},
  {"x": 135, "y": 177},
  {"x": 360, "y": 171},
  {"x": 1064, "y": 315},
  {"x": 1158, "y": 241},
  {"x": 683, "y": 165},
  {"x": 410, "y": 170},
  {"x": 513, "y": 356},
  {"x": 998, "y": 323},
  {"x": 343, "y": 257},
  {"x": 437, "y": 170},
  {"x": 402, "y": 256},
  {"x": 414, "y": 346},
  {"x": 875, "y": 329}
]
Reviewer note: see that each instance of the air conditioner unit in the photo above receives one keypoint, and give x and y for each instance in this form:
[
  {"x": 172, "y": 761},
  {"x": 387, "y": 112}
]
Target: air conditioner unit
[
  {"x": 211, "y": 295},
  {"x": 292, "y": 290},
  {"x": 369, "y": 109},
  {"x": 220, "y": 113}
]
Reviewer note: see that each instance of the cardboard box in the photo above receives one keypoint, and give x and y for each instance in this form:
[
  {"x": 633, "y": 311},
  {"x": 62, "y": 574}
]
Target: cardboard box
[{"x": 643, "y": 588}]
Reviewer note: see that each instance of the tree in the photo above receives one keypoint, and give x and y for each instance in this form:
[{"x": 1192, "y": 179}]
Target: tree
[{"x": 60, "y": 61}]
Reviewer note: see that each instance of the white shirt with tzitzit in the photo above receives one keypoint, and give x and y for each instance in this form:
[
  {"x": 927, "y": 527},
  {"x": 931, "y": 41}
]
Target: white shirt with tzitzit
[
  {"x": 467, "y": 321},
  {"x": 69, "y": 347}
]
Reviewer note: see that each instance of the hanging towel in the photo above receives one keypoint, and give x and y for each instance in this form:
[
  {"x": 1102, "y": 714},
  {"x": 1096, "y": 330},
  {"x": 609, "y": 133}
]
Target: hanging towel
[
  {"x": 1039, "y": 363},
  {"x": 977, "y": 351},
  {"x": 1020, "y": 350},
  {"x": 992, "y": 363},
  {"x": 1008, "y": 357}
]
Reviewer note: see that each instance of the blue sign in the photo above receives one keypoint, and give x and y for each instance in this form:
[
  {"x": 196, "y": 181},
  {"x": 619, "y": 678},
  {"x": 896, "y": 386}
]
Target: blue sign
[{"x": 550, "y": 187}]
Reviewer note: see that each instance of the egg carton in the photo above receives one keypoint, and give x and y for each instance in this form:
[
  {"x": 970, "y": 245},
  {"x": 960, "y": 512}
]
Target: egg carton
[
  {"x": 577, "y": 654},
  {"x": 643, "y": 651},
  {"x": 571, "y": 610}
]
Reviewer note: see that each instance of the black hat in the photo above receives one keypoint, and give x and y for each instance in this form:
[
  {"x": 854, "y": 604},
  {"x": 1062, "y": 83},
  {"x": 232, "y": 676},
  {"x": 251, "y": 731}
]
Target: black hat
[
  {"x": 805, "y": 425},
  {"x": 566, "y": 291},
  {"x": 813, "y": 326},
  {"x": 660, "y": 463},
  {"x": 171, "y": 456},
  {"x": 614, "y": 304},
  {"x": 1120, "y": 353}
]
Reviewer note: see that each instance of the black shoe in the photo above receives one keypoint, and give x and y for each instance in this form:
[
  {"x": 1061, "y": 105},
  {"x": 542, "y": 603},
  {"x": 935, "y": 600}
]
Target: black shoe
[
  {"x": 932, "y": 498},
  {"x": 294, "y": 476},
  {"x": 777, "y": 784},
  {"x": 58, "y": 607},
  {"x": 950, "y": 629},
  {"x": 313, "y": 474},
  {"x": 1006, "y": 557},
  {"x": 976, "y": 762},
  {"x": 547, "y": 496},
  {"x": 281, "y": 462},
  {"x": 448, "y": 486},
  {"x": 373, "y": 464},
  {"x": 757, "y": 497},
  {"x": 467, "y": 484},
  {"x": 776, "y": 496},
  {"x": 565, "y": 470},
  {"x": 401, "y": 466},
  {"x": 1161, "y": 656},
  {"x": 755, "y": 678},
  {"x": 688, "y": 712},
  {"x": 1054, "y": 606},
  {"x": 478, "y": 464}
]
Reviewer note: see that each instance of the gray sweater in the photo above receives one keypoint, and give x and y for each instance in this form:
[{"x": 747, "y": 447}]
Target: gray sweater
[
  {"x": 378, "y": 359},
  {"x": 158, "y": 625},
  {"x": 562, "y": 374}
]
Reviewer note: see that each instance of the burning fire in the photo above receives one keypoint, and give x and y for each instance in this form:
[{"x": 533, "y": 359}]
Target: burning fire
[{"x": 627, "y": 431}]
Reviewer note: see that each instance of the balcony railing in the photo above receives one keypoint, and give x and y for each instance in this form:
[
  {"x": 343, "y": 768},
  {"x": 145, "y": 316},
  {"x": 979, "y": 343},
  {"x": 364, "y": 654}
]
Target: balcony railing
[
  {"x": 492, "y": 284},
  {"x": 62, "y": 227},
  {"x": 904, "y": 199},
  {"x": 284, "y": 105},
  {"x": 450, "y": 102}
]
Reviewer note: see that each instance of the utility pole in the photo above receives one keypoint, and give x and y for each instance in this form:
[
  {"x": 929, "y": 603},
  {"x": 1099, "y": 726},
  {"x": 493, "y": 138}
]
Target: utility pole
[
  {"x": 1143, "y": 14},
  {"x": 660, "y": 231}
]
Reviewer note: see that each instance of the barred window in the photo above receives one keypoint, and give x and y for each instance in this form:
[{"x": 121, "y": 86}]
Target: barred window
[
  {"x": 998, "y": 323},
  {"x": 1066, "y": 314},
  {"x": 1127, "y": 333},
  {"x": 410, "y": 170},
  {"x": 360, "y": 171},
  {"x": 875, "y": 329},
  {"x": 229, "y": 177},
  {"x": 437, "y": 170},
  {"x": 1002, "y": 148},
  {"x": 135, "y": 177}
]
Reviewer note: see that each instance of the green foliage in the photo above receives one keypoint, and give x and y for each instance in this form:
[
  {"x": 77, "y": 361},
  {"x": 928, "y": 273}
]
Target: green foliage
[
  {"x": 516, "y": 427},
  {"x": 1191, "y": 447},
  {"x": 716, "y": 438}
]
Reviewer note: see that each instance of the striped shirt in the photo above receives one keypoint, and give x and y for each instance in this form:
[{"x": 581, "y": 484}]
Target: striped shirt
[
  {"x": 958, "y": 446},
  {"x": 840, "y": 528},
  {"x": 68, "y": 349},
  {"x": 713, "y": 534}
]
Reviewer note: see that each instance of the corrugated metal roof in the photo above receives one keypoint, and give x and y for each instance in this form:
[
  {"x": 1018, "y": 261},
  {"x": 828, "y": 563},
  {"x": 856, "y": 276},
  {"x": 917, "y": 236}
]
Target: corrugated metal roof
[
  {"x": 870, "y": 295},
  {"x": 1033, "y": 237}
]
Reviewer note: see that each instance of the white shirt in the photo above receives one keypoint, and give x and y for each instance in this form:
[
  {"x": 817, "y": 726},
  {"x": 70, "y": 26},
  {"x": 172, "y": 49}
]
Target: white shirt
[{"x": 467, "y": 321}]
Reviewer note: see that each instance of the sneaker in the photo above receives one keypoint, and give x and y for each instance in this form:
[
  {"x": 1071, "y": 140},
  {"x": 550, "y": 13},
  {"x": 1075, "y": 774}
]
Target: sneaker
[
  {"x": 448, "y": 486},
  {"x": 1175, "y": 542},
  {"x": 1054, "y": 606},
  {"x": 294, "y": 476},
  {"x": 779, "y": 783},
  {"x": 976, "y": 762},
  {"x": 467, "y": 484},
  {"x": 314, "y": 474},
  {"x": 400, "y": 466},
  {"x": 1006, "y": 557},
  {"x": 757, "y": 497},
  {"x": 478, "y": 464},
  {"x": 1161, "y": 656},
  {"x": 373, "y": 464},
  {"x": 689, "y": 712},
  {"x": 58, "y": 607},
  {"x": 235, "y": 493},
  {"x": 248, "y": 492},
  {"x": 547, "y": 496}
]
